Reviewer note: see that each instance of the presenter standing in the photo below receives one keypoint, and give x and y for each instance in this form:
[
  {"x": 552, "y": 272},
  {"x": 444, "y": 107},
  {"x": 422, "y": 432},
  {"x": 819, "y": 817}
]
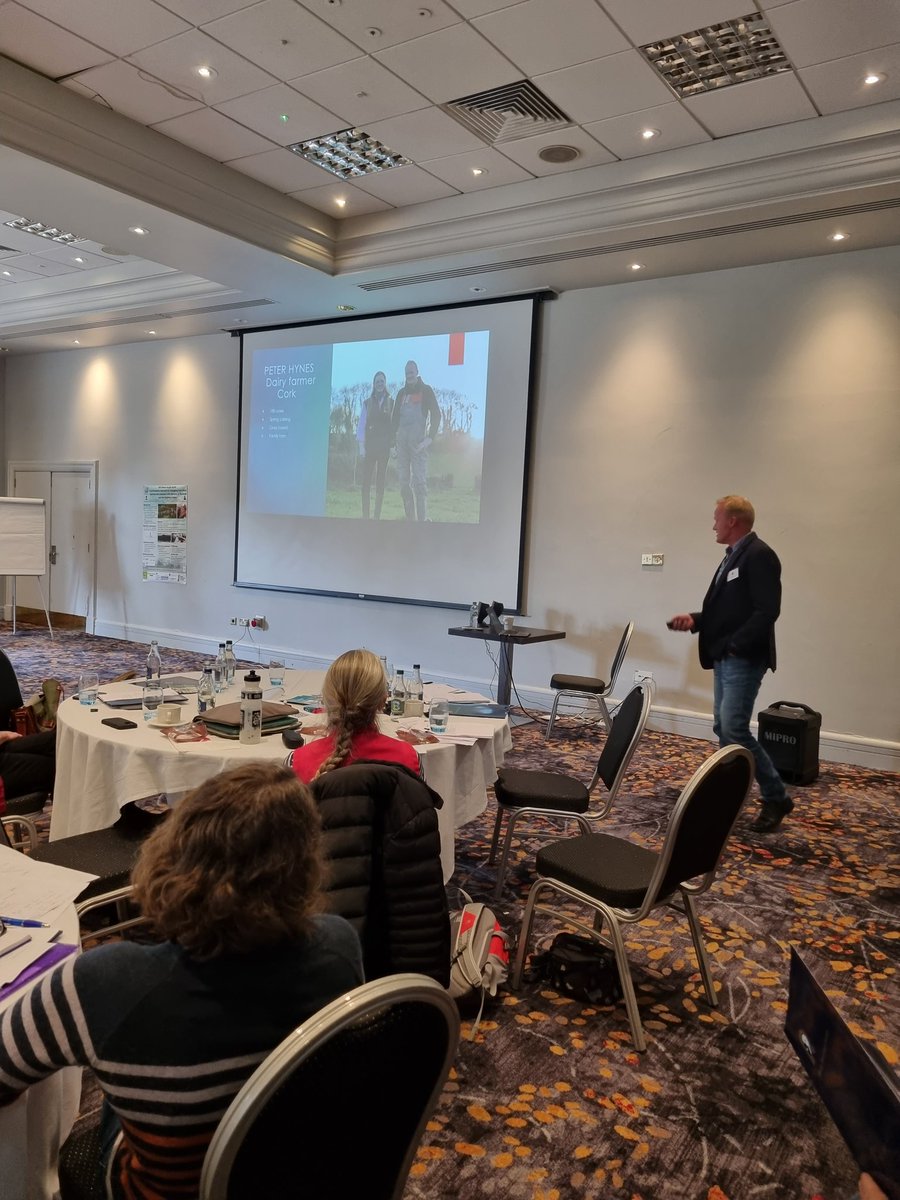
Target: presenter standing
[
  {"x": 737, "y": 640},
  {"x": 415, "y": 422}
]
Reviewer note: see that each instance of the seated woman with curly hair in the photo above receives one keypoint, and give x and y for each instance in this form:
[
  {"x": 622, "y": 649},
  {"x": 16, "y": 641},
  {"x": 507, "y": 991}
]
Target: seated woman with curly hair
[
  {"x": 231, "y": 881},
  {"x": 353, "y": 694}
]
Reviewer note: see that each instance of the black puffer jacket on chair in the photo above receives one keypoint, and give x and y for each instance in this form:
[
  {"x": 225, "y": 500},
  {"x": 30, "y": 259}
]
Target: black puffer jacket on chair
[{"x": 384, "y": 874}]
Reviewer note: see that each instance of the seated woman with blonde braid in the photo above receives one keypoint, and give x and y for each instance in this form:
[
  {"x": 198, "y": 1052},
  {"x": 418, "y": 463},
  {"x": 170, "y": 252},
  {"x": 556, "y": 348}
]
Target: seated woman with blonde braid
[{"x": 354, "y": 693}]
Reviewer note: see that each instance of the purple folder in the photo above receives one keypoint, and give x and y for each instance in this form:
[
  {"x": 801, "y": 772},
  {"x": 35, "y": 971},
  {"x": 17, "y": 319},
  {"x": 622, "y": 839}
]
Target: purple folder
[{"x": 55, "y": 954}]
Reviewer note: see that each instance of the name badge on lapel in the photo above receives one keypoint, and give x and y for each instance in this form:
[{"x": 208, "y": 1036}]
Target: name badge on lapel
[{"x": 732, "y": 574}]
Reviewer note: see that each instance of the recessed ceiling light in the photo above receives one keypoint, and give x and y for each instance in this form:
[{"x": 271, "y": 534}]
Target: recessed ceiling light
[
  {"x": 140, "y": 230},
  {"x": 340, "y": 201},
  {"x": 349, "y": 154},
  {"x": 283, "y": 118},
  {"x": 637, "y": 266},
  {"x": 75, "y": 342},
  {"x": 716, "y": 56},
  {"x": 872, "y": 78},
  {"x": 346, "y": 308},
  {"x": 206, "y": 72},
  {"x": 152, "y": 332},
  {"x": 8, "y": 273},
  {"x": 78, "y": 258},
  {"x": 39, "y": 229},
  {"x": 647, "y": 134},
  {"x": 479, "y": 171},
  {"x": 837, "y": 237}
]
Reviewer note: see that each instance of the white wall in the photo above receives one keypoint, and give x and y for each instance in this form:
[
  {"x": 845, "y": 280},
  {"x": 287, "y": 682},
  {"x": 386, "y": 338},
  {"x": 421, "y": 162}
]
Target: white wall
[{"x": 654, "y": 398}]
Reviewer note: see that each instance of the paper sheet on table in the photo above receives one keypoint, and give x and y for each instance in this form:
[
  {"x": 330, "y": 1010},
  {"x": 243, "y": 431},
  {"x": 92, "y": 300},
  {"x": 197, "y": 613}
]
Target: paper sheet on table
[
  {"x": 36, "y": 890},
  {"x": 444, "y": 692},
  {"x": 15, "y": 962}
]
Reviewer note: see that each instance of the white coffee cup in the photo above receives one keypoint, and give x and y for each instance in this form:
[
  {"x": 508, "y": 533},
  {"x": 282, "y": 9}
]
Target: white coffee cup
[
  {"x": 509, "y": 623},
  {"x": 168, "y": 714}
]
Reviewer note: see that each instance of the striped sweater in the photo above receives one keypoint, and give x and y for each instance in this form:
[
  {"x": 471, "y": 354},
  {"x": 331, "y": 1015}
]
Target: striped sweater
[{"x": 171, "y": 1040}]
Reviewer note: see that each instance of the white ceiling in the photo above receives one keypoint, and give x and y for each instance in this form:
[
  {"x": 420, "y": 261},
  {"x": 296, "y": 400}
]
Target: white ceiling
[{"x": 105, "y": 126}]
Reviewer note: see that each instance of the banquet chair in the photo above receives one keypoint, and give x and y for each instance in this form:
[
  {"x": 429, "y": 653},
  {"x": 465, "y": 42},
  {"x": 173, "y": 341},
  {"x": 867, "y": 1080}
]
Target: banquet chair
[
  {"x": 522, "y": 793},
  {"x": 365, "y": 1072},
  {"x": 24, "y": 809},
  {"x": 623, "y": 882},
  {"x": 588, "y": 687}
]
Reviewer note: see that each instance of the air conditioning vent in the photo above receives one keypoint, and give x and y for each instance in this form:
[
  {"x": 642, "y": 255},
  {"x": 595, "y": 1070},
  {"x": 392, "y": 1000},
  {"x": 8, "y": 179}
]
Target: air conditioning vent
[{"x": 503, "y": 114}]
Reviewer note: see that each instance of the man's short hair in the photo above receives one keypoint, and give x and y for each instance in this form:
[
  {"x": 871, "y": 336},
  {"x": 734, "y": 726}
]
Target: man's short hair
[{"x": 738, "y": 507}]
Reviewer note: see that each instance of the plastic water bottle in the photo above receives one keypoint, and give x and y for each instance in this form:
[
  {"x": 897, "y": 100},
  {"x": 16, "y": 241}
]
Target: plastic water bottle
[
  {"x": 219, "y": 669},
  {"x": 230, "y": 663},
  {"x": 251, "y": 709},
  {"x": 415, "y": 694},
  {"x": 398, "y": 695},
  {"x": 154, "y": 662},
  {"x": 206, "y": 693}
]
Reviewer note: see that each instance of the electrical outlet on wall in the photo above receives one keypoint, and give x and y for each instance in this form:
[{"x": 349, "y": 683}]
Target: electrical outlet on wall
[{"x": 643, "y": 676}]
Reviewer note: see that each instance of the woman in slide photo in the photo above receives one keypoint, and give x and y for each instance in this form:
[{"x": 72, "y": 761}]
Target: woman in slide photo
[{"x": 376, "y": 443}]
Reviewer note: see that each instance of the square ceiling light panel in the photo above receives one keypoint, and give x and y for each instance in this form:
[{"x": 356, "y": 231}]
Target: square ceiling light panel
[
  {"x": 349, "y": 154},
  {"x": 718, "y": 56}
]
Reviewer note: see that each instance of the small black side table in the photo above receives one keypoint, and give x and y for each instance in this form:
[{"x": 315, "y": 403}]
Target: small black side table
[{"x": 519, "y": 635}]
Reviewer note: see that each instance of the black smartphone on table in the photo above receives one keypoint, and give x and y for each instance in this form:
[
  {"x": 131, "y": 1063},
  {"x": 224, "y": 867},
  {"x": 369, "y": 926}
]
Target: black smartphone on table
[{"x": 119, "y": 723}]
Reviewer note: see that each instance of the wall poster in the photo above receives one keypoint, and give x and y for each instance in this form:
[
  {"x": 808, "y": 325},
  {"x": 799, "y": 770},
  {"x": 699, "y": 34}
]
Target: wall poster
[{"x": 164, "y": 549}]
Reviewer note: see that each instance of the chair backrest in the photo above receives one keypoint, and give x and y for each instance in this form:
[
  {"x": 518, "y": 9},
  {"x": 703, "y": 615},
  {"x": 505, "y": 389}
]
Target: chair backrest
[
  {"x": 620, "y": 656},
  {"x": 339, "y": 1107},
  {"x": 701, "y": 823},
  {"x": 10, "y": 692},
  {"x": 621, "y": 741}
]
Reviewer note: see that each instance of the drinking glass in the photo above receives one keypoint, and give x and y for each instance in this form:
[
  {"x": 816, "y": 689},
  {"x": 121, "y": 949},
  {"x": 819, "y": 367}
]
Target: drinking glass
[
  {"x": 153, "y": 694},
  {"x": 88, "y": 683},
  {"x": 439, "y": 716},
  {"x": 276, "y": 672}
]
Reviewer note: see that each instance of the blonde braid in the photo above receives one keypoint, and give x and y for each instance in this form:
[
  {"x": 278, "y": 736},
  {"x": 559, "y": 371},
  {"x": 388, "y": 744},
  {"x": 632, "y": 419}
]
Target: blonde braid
[{"x": 343, "y": 738}]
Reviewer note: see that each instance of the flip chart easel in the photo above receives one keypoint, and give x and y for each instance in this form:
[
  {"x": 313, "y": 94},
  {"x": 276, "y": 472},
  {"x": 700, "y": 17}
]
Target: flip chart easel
[{"x": 23, "y": 544}]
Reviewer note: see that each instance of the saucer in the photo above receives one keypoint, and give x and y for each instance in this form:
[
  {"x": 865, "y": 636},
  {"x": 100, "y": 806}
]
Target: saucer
[{"x": 154, "y": 724}]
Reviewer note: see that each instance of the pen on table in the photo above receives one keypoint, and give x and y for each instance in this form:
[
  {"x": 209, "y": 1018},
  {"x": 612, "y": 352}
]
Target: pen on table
[{"x": 22, "y": 923}]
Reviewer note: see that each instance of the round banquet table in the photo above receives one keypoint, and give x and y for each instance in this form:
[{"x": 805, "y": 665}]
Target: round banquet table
[
  {"x": 99, "y": 769},
  {"x": 33, "y": 1128}
]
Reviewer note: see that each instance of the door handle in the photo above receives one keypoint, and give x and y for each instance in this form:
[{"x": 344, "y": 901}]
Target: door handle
[{"x": 52, "y": 556}]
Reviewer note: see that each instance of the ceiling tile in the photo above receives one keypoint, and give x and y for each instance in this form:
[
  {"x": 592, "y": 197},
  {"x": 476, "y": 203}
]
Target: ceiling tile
[
  {"x": 546, "y": 35},
  {"x": 12, "y": 273},
  {"x": 405, "y": 185},
  {"x": 838, "y": 85},
  {"x": 622, "y": 135},
  {"x": 283, "y": 38},
  {"x": 131, "y": 92},
  {"x": 361, "y": 91},
  {"x": 281, "y": 169},
  {"x": 758, "y": 104},
  {"x": 198, "y": 12},
  {"x": 525, "y": 151},
  {"x": 426, "y": 134},
  {"x": 395, "y": 20},
  {"x": 605, "y": 87},
  {"x": 35, "y": 42},
  {"x": 452, "y": 63},
  {"x": 69, "y": 255},
  {"x": 495, "y": 170},
  {"x": 45, "y": 268},
  {"x": 815, "y": 31},
  {"x": 648, "y": 20},
  {"x": 213, "y": 134},
  {"x": 263, "y": 111},
  {"x": 176, "y": 61},
  {"x": 358, "y": 203},
  {"x": 476, "y": 8},
  {"x": 120, "y": 26}
]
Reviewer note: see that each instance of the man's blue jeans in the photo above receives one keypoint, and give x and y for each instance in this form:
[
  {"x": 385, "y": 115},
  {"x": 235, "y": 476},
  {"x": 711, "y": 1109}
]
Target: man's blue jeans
[{"x": 736, "y": 686}]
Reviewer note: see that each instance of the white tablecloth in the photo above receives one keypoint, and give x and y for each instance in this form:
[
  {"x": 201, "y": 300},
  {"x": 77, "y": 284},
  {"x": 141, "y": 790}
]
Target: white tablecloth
[
  {"x": 99, "y": 770},
  {"x": 36, "y": 1125}
]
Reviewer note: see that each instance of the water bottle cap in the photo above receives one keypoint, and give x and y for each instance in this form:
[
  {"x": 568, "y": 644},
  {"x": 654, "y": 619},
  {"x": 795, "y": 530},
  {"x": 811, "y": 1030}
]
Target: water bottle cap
[{"x": 251, "y": 678}]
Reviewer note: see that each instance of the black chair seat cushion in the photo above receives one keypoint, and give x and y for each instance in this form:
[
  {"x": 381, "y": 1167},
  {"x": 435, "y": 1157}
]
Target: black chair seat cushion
[
  {"x": 106, "y": 853},
  {"x": 608, "y": 868},
  {"x": 540, "y": 789},
  {"x": 577, "y": 683},
  {"x": 29, "y": 805}
]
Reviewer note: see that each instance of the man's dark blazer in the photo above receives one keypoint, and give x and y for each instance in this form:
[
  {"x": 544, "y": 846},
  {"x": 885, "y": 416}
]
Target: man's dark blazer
[{"x": 740, "y": 610}]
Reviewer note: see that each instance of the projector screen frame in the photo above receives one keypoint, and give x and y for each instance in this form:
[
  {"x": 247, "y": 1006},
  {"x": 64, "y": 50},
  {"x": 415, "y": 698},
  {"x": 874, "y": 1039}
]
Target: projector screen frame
[{"x": 536, "y": 299}]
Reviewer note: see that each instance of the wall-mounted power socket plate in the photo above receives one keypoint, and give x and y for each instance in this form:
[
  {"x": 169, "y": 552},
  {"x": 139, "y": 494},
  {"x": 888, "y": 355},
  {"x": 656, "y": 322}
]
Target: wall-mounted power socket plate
[{"x": 652, "y": 560}]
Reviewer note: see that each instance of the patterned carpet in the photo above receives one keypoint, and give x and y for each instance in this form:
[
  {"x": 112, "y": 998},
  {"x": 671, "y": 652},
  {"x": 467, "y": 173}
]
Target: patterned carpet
[{"x": 550, "y": 1101}]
